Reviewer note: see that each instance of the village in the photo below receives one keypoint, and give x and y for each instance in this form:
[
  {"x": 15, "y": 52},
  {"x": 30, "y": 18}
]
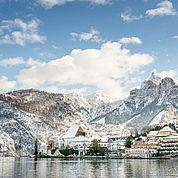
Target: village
[{"x": 77, "y": 142}]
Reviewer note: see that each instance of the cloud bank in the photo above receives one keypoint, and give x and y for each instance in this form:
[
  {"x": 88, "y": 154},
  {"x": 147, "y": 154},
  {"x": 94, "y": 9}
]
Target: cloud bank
[
  {"x": 5, "y": 84},
  {"x": 12, "y": 61},
  {"x": 50, "y": 3},
  {"x": 106, "y": 68}
]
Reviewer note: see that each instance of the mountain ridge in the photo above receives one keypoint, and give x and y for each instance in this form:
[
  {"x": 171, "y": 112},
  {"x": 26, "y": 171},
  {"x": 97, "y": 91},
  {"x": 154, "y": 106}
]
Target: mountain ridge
[
  {"x": 29, "y": 114},
  {"x": 154, "y": 96}
]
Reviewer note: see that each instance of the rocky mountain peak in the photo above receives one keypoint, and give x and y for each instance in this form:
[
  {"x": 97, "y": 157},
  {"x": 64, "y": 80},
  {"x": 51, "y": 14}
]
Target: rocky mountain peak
[
  {"x": 148, "y": 85},
  {"x": 167, "y": 83},
  {"x": 155, "y": 78},
  {"x": 98, "y": 98}
]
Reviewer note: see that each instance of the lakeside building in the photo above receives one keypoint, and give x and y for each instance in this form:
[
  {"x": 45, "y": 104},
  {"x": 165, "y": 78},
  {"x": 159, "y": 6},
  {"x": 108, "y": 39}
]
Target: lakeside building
[
  {"x": 164, "y": 132},
  {"x": 77, "y": 138},
  {"x": 118, "y": 144},
  {"x": 72, "y": 133},
  {"x": 164, "y": 141},
  {"x": 138, "y": 153},
  {"x": 43, "y": 149},
  {"x": 169, "y": 145},
  {"x": 142, "y": 148}
]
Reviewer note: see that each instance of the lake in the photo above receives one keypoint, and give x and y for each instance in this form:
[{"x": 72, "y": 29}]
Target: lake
[{"x": 81, "y": 168}]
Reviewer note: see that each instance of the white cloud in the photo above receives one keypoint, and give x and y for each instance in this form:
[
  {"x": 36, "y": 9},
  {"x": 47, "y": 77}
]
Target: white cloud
[
  {"x": 78, "y": 90},
  {"x": 175, "y": 37},
  {"x": 52, "y": 89},
  {"x": 19, "y": 32},
  {"x": 164, "y": 8},
  {"x": 32, "y": 62},
  {"x": 54, "y": 46},
  {"x": 50, "y": 3},
  {"x": 170, "y": 73},
  {"x": 103, "y": 2},
  {"x": 130, "y": 40},
  {"x": 142, "y": 72},
  {"x": 55, "y": 89},
  {"x": 5, "y": 84},
  {"x": 131, "y": 81},
  {"x": 47, "y": 54},
  {"x": 128, "y": 17},
  {"x": 93, "y": 35},
  {"x": 106, "y": 68},
  {"x": 12, "y": 61}
]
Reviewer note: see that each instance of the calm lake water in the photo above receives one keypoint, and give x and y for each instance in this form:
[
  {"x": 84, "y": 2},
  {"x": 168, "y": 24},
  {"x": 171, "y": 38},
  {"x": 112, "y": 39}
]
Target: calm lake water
[{"x": 80, "y": 168}]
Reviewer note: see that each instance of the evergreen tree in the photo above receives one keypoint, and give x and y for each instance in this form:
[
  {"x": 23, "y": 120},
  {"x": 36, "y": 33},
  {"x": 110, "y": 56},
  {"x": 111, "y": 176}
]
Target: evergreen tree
[
  {"x": 128, "y": 142},
  {"x": 36, "y": 147},
  {"x": 96, "y": 149}
]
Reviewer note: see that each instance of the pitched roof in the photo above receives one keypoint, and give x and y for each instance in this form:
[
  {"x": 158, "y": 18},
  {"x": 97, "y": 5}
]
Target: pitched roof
[
  {"x": 71, "y": 132},
  {"x": 152, "y": 133},
  {"x": 167, "y": 129},
  {"x": 80, "y": 139}
]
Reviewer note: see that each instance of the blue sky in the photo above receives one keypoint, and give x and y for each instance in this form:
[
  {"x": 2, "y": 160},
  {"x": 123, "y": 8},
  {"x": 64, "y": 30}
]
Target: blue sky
[{"x": 86, "y": 46}]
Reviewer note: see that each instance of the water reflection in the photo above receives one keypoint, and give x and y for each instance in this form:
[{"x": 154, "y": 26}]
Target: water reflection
[{"x": 80, "y": 168}]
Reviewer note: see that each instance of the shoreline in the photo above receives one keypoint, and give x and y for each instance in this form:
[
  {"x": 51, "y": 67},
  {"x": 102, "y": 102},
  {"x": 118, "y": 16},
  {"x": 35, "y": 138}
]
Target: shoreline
[
  {"x": 99, "y": 157},
  {"x": 88, "y": 157}
]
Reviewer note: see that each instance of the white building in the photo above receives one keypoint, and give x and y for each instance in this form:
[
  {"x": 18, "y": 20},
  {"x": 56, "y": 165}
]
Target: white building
[
  {"x": 73, "y": 132},
  {"x": 43, "y": 149},
  {"x": 139, "y": 152},
  {"x": 164, "y": 132},
  {"x": 77, "y": 138}
]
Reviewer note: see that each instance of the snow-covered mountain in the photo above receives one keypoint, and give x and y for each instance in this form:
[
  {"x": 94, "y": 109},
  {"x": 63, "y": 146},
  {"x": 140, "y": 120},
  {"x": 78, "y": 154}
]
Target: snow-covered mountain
[
  {"x": 156, "y": 102},
  {"x": 29, "y": 114},
  {"x": 94, "y": 106}
]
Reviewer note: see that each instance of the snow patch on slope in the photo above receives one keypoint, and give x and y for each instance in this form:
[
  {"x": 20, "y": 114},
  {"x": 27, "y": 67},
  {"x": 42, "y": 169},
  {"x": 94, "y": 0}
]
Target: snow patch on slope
[{"x": 157, "y": 120}]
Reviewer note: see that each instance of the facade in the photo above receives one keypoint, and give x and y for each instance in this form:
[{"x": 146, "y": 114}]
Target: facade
[
  {"x": 150, "y": 145},
  {"x": 169, "y": 145},
  {"x": 76, "y": 138},
  {"x": 43, "y": 149},
  {"x": 73, "y": 132},
  {"x": 142, "y": 148},
  {"x": 152, "y": 134},
  {"x": 166, "y": 131},
  {"x": 118, "y": 144},
  {"x": 139, "y": 152}
]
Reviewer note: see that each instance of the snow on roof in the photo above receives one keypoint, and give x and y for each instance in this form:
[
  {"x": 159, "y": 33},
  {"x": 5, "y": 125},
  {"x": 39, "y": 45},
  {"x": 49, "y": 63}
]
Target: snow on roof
[
  {"x": 167, "y": 129},
  {"x": 104, "y": 139},
  {"x": 43, "y": 144},
  {"x": 171, "y": 137},
  {"x": 152, "y": 133},
  {"x": 80, "y": 139},
  {"x": 71, "y": 132}
]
